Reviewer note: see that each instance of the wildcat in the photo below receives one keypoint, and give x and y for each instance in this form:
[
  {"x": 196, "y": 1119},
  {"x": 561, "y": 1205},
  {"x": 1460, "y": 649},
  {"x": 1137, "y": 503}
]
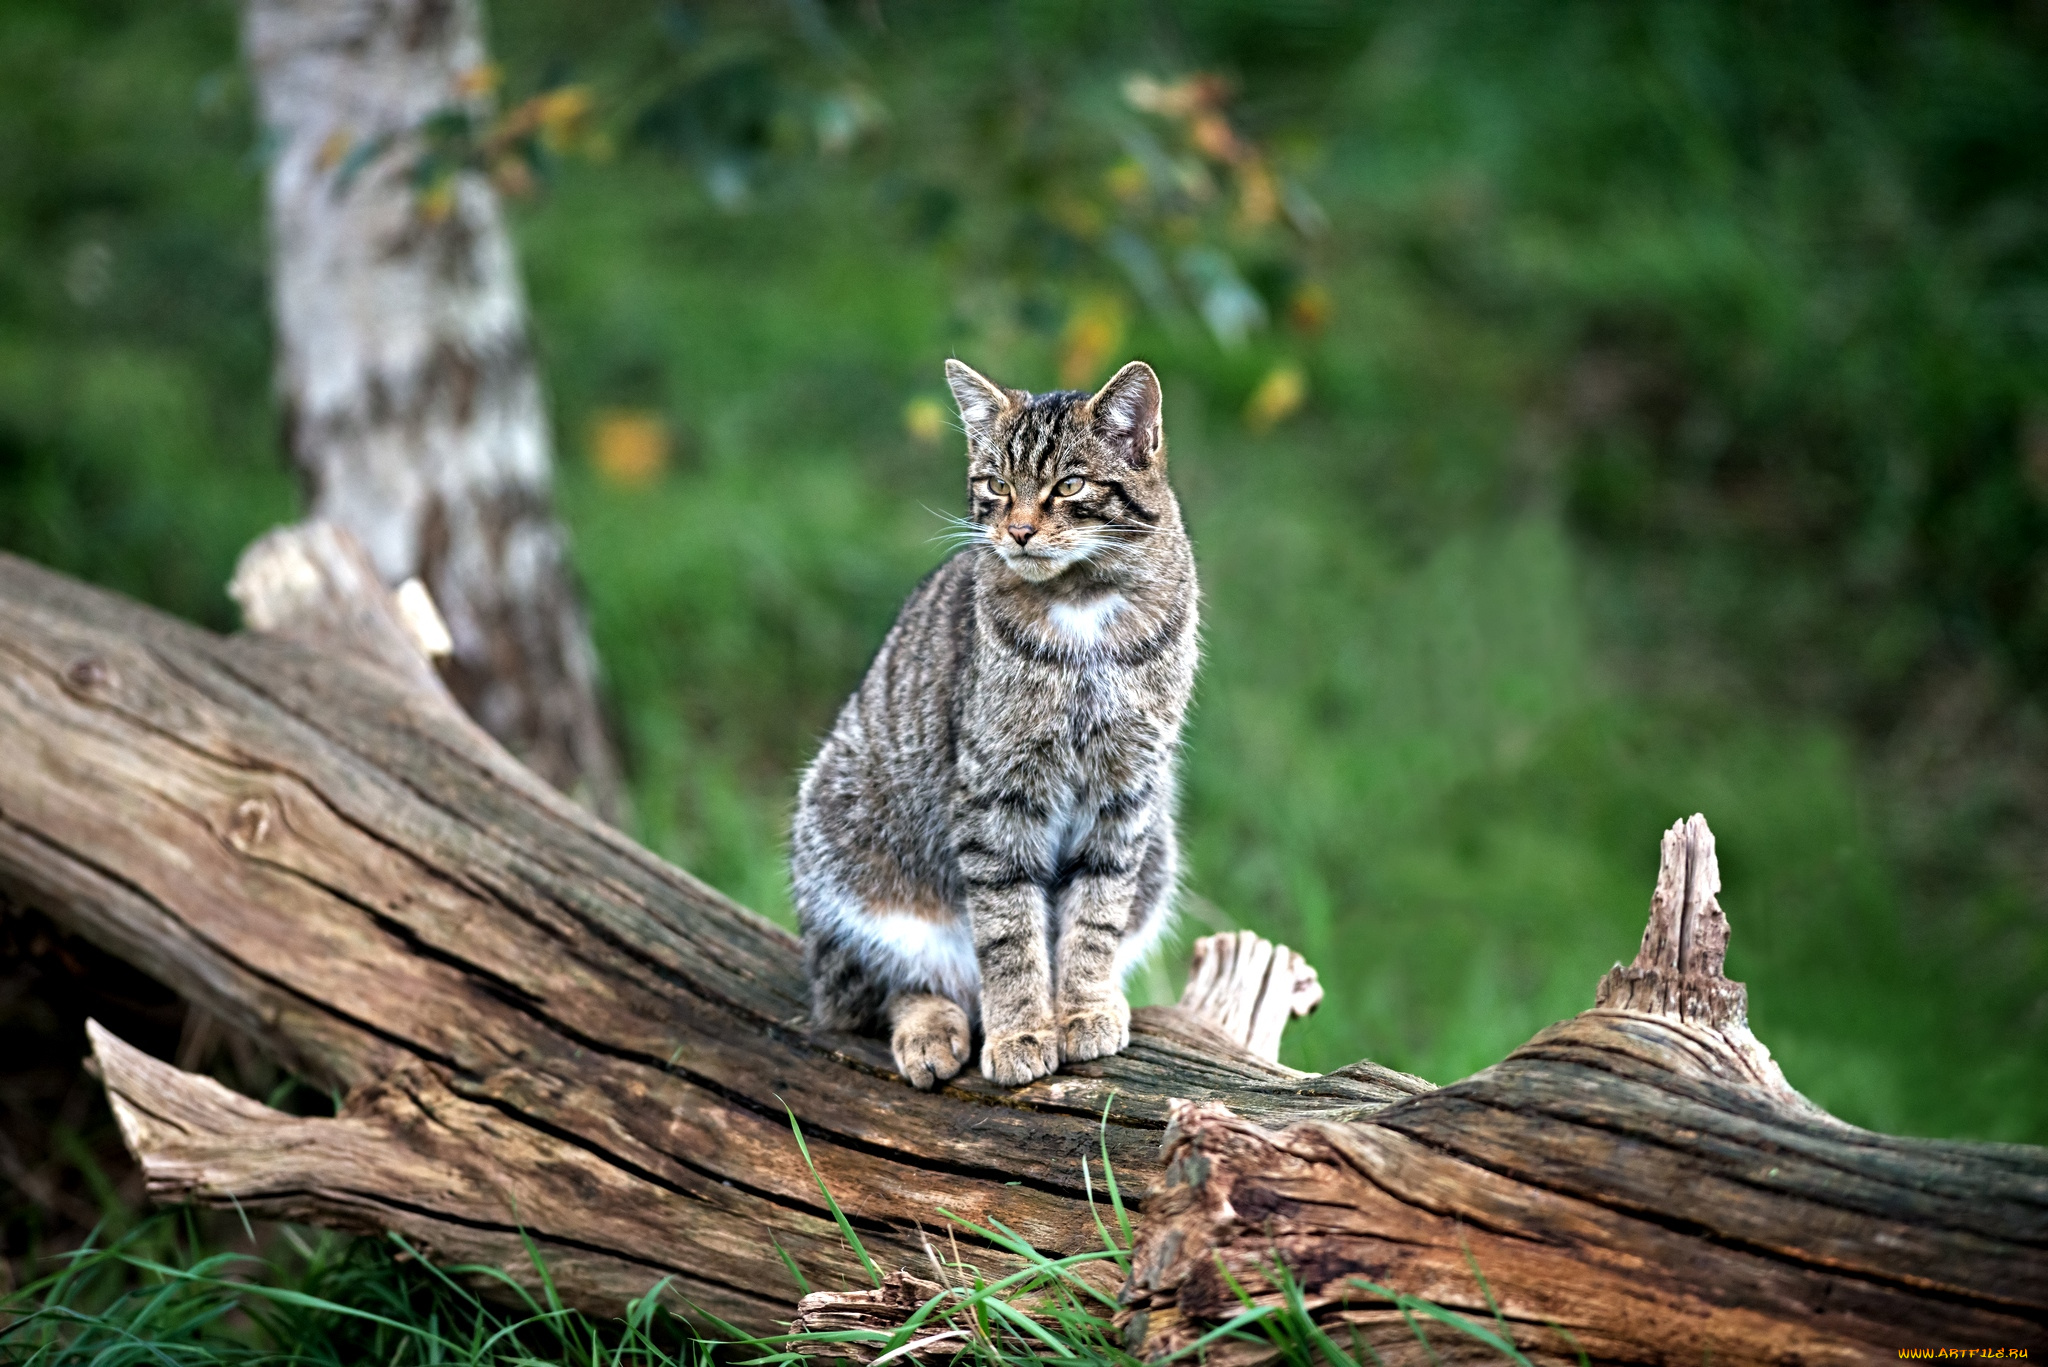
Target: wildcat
[{"x": 988, "y": 831}]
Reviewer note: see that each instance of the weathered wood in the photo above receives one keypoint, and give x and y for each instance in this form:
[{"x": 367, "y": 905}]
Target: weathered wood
[
  {"x": 535, "y": 1024},
  {"x": 1643, "y": 1181},
  {"x": 882, "y": 1309},
  {"x": 313, "y": 583},
  {"x": 1250, "y": 989}
]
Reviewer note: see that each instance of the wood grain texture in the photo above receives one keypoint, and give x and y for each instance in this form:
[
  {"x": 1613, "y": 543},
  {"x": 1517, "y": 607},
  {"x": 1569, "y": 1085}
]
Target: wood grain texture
[
  {"x": 882, "y": 1309},
  {"x": 1641, "y": 1183},
  {"x": 534, "y": 1023}
]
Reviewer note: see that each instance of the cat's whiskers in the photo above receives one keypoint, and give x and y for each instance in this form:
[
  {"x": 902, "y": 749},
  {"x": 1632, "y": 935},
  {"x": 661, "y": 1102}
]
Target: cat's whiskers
[
  {"x": 1088, "y": 540},
  {"x": 949, "y": 519},
  {"x": 958, "y": 531}
]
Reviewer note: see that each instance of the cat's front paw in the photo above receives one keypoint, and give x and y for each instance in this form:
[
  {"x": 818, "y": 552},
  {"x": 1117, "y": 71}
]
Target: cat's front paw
[
  {"x": 1095, "y": 1030},
  {"x": 1015, "y": 1057},
  {"x": 930, "y": 1042}
]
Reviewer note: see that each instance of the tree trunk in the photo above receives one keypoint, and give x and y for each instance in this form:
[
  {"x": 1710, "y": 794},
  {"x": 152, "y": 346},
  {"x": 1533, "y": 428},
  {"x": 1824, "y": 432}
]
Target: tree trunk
[
  {"x": 538, "y": 1027},
  {"x": 412, "y": 406}
]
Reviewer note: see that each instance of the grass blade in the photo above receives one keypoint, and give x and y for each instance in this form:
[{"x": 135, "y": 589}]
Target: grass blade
[
  {"x": 803, "y": 1288},
  {"x": 1109, "y": 1177},
  {"x": 845, "y": 1225},
  {"x": 1406, "y": 1303}
]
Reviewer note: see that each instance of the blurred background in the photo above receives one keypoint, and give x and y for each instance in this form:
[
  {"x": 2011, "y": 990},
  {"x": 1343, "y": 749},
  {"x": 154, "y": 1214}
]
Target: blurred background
[{"x": 1585, "y": 414}]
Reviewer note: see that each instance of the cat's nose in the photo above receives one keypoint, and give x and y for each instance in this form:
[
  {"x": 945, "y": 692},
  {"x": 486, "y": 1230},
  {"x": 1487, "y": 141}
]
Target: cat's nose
[{"x": 1022, "y": 531}]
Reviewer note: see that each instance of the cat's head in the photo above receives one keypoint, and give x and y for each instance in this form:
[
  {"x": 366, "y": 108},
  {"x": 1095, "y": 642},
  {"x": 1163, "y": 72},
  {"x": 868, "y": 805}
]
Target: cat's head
[{"x": 1057, "y": 479}]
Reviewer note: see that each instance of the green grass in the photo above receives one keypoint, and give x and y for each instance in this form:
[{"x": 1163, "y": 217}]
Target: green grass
[
  {"x": 158, "y": 1296},
  {"x": 347, "y": 1301}
]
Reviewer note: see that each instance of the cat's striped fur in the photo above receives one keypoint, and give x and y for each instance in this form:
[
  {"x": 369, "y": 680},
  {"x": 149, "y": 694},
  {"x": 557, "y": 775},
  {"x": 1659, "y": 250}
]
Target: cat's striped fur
[{"x": 988, "y": 830}]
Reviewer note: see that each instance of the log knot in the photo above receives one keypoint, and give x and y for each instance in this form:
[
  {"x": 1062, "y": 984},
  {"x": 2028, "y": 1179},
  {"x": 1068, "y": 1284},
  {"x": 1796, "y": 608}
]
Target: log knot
[
  {"x": 1679, "y": 969},
  {"x": 88, "y": 674},
  {"x": 249, "y": 824}
]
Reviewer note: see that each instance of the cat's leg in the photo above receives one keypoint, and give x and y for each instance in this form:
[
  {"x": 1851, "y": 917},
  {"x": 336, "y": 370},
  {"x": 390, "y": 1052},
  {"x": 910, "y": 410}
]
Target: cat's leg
[
  {"x": 1000, "y": 840},
  {"x": 1116, "y": 904},
  {"x": 1094, "y": 1017},
  {"x": 929, "y": 1036},
  {"x": 1020, "y": 1040}
]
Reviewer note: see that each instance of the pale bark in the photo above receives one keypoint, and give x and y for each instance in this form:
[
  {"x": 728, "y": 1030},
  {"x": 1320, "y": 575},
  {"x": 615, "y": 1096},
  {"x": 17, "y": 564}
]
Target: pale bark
[
  {"x": 1250, "y": 989},
  {"x": 539, "y": 1029},
  {"x": 412, "y": 406}
]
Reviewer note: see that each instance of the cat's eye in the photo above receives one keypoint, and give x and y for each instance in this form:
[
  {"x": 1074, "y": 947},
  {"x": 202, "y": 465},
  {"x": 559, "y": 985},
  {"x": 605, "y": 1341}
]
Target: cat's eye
[
  {"x": 1069, "y": 486},
  {"x": 998, "y": 487}
]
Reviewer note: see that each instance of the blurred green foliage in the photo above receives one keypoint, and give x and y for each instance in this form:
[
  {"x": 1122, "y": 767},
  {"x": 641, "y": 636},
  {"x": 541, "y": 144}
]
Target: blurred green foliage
[
  {"x": 135, "y": 438},
  {"x": 1675, "y": 438}
]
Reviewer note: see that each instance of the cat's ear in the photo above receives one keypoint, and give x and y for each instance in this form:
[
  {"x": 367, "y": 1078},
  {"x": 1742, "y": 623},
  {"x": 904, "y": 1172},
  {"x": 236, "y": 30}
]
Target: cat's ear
[
  {"x": 981, "y": 401},
  {"x": 1126, "y": 415}
]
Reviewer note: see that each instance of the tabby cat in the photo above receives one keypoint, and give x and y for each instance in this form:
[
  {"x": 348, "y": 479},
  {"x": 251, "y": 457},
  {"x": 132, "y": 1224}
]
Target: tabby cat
[{"x": 988, "y": 829}]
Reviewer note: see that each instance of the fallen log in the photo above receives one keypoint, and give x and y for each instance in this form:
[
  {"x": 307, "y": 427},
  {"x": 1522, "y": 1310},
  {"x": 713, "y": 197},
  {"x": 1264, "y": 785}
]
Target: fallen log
[{"x": 537, "y": 1029}]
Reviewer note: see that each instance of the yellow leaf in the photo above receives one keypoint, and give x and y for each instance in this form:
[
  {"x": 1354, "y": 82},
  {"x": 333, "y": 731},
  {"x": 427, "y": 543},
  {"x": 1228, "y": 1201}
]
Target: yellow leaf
[
  {"x": 563, "y": 115},
  {"x": 1214, "y": 138},
  {"x": 1277, "y": 398},
  {"x": 479, "y": 80},
  {"x": 1258, "y": 199},
  {"x": 1094, "y": 332},
  {"x": 333, "y": 148},
  {"x": 437, "y": 201},
  {"x": 924, "y": 418},
  {"x": 1125, "y": 180},
  {"x": 513, "y": 177},
  {"x": 1309, "y": 309},
  {"x": 629, "y": 447},
  {"x": 1076, "y": 215}
]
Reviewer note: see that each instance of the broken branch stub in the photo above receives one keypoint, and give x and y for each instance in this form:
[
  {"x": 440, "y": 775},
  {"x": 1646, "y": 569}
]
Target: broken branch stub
[
  {"x": 313, "y": 583},
  {"x": 1679, "y": 969},
  {"x": 1249, "y": 988}
]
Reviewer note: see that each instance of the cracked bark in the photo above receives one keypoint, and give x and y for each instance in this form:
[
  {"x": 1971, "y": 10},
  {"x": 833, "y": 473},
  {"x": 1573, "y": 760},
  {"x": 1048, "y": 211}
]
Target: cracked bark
[
  {"x": 412, "y": 405},
  {"x": 536, "y": 1025},
  {"x": 1639, "y": 1181}
]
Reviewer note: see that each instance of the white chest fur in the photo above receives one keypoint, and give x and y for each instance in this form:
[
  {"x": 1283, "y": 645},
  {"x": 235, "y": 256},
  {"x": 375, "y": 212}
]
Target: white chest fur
[{"x": 1085, "y": 624}]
